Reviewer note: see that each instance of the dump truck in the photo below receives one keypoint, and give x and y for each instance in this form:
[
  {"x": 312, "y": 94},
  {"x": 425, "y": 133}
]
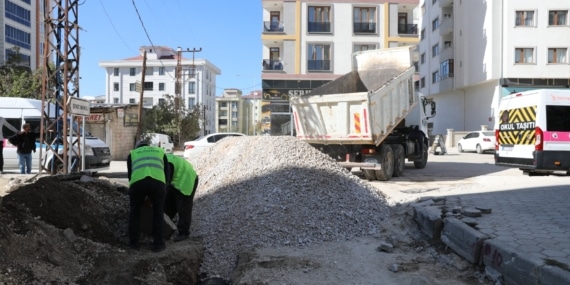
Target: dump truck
[{"x": 370, "y": 118}]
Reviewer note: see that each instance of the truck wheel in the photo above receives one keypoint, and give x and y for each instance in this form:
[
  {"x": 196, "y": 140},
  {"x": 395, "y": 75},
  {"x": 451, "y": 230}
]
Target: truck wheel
[
  {"x": 420, "y": 164},
  {"x": 369, "y": 174},
  {"x": 387, "y": 163},
  {"x": 399, "y": 160}
]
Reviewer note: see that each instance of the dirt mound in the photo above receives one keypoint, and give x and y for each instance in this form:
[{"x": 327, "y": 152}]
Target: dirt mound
[{"x": 72, "y": 229}]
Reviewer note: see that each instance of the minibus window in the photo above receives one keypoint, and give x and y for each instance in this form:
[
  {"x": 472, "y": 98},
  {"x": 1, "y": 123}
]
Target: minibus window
[{"x": 557, "y": 118}]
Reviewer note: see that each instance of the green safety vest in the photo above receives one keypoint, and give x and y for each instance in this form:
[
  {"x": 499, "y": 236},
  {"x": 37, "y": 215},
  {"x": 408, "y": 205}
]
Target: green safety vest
[
  {"x": 184, "y": 174},
  {"x": 147, "y": 161}
]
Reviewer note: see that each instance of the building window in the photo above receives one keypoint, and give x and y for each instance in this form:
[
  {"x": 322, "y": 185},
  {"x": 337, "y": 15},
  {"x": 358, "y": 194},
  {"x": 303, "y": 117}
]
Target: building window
[
  {"x": 446, "y": 68},
  {"x": 423, "y": 58},
  {"x": 435, "y": 24},
  {"x": 192, "y": 87},
  {"x": 364, "y": 20},
  {"x": 191, "y": 102},
  {"x": 17, "y": 13},
  {"x": 423, "y": 82},
  {"x": 557, "y": 18},
  {"x": 116, "y": 71},
  {"x": 524, "y": 18},
  {"x": 557, "y": 55},
  {"x": 319, "y": 19},
  {"x": 434, "y": 50},
  {"x": 132, "y": 87},
  {"x": 148, "y": 86},
  {"x": 147, "y": 101},
  {"x": 363, "y": 47},
  {"x": 17, "y": 37},
  {"x": 116, "y": 100},
  {"x": 435, "y": 76},
  {"x": 132, "y": 101},
  {"x": 132, "y": 71},
  {"x": 160, "y": 86},
  {"x": 161, "y": 71},
  {"x": 319, "y": 57},
  {"x": 524, "y": 55},
  {"x": 423, "y": 34},
  {"x": 115, "y": 86},
  {"x": 149, "y": 71},
  {"x": 161, "y": 101}
]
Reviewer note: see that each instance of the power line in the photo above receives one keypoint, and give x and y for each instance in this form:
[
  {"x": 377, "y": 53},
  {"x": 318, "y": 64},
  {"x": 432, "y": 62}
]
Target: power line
[{"x": 113, "y": 25}]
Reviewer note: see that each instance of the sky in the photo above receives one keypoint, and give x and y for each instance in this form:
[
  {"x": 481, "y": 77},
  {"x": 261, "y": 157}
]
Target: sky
[{"x": 228, "y": 31}]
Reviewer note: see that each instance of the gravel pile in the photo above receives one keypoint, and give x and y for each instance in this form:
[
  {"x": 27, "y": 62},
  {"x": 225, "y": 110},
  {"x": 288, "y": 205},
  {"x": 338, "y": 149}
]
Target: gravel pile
[{"x": 276, "y": 191}]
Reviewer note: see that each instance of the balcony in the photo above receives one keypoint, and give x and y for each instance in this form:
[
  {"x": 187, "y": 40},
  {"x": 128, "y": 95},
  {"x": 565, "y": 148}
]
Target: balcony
[
  {"x": 408, "y": 29},
  {"x": 318, "y": 65},
  {"x": 446, "y": 83},
  {"x": 273, "y": 27},
  {"x": 319, "y": 27},
  {"x": 446, "y": 25},
  {"x": 445, "y": 3},
  {"x": 272, "y": 65},
  {"x": 364, "y": 28},
  {"x": 447, "y": 52}
]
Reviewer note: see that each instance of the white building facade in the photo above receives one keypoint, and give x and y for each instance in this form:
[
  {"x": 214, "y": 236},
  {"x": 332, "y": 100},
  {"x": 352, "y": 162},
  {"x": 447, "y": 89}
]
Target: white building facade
[
  {"x": 123, "y": 79},
  {"x": 474, "y": 52},
  {"x": 309, "y": 43}
]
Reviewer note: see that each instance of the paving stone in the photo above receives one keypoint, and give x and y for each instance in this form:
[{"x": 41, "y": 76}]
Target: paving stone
[
  {"x": 463, "y": 239},
  {"x": 471, "y": 212}
]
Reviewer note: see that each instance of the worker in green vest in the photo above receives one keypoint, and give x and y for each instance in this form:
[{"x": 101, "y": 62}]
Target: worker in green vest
[
  {"x": 180, "y": 194},
  {"x": 148, "y": 173}
]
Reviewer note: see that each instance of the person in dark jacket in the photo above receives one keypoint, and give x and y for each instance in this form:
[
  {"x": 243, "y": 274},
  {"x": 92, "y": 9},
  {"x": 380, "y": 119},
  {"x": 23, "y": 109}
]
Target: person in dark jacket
[
  {"x": 180, "y": 194},
  {"x": 148, "y": 173},
  {"x": 26, "y": 144}
]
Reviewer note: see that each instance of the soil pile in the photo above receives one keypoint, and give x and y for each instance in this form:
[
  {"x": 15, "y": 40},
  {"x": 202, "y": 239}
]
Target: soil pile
[{"x": 72, "y": 229}]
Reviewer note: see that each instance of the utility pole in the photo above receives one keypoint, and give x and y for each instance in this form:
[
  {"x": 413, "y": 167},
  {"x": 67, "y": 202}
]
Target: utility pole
[
  {"x": 141, "y": 91},
  {"x": 59, "y": 83},
  {"x": 178, "y": 102}
]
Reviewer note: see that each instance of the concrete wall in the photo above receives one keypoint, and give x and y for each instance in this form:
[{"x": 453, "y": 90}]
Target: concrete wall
[{"x": 115, "y": 130}]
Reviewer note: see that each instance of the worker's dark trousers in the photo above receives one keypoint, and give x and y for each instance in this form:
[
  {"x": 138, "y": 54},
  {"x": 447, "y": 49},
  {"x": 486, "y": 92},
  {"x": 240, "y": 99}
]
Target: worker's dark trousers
[
  {"x": 155, "y": 191},
  {"x": 176, "y": 202}
]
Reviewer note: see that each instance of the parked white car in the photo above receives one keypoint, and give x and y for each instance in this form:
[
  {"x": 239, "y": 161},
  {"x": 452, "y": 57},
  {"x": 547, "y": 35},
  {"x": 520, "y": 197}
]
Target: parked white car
[
  {"x": 478, "y": 141},
  {"x": 161, "y": 140},
  {"x": 197, "y": 146}
]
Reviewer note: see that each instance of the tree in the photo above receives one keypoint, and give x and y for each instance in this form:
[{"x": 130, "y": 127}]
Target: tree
[
  {"x": 17, "y": 79},
  {"x": 180, "y": 124}
]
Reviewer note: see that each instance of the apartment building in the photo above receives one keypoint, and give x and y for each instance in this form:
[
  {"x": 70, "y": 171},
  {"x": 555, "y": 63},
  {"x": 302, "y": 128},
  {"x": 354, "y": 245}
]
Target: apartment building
[
  {"x": 309, "y": 43},
  {"x": 197, "y": 81},
  {"x": 22, "y": 28},
  {"x": 474, "y": 52}
]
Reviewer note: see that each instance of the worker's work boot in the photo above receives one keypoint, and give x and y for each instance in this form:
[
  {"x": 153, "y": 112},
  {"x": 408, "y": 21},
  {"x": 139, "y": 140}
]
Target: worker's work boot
[{"x": 180, "y": 237}]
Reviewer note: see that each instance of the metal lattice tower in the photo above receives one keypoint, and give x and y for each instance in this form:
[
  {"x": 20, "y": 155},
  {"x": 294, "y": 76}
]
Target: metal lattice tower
[{"x": 60, "y": 81}]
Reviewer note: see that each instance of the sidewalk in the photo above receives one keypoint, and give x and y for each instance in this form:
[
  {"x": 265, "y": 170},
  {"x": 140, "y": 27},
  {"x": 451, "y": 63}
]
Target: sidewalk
[{"x": 517, "y": 226}]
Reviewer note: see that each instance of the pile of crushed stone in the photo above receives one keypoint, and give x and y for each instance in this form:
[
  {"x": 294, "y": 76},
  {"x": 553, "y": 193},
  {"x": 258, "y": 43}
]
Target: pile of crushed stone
[
  {"x": 268, "y": 191},
  {"x": 254, "y": 192}
]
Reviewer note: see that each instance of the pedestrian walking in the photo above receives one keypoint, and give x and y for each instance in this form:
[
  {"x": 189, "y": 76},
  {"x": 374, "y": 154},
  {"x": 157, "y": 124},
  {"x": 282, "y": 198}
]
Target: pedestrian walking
[
  {"x": 180, "y": 194},
  {"x": 3, "y": 123},
  {"x": 25, "y": 142},
  {"x": 148, "y": 173}
]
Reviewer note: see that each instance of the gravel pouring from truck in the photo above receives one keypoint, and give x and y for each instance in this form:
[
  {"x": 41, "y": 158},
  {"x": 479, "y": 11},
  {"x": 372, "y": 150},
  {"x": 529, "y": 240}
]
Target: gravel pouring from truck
[{"x": 370, "y": 118}]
